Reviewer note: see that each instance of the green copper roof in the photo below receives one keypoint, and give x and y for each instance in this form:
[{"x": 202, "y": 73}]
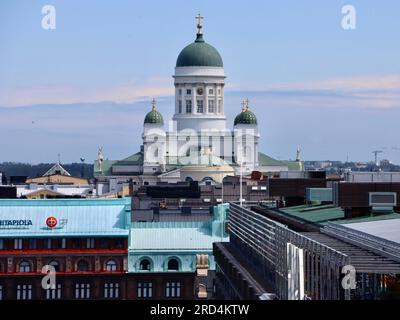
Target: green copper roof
[
  {"x": 199, "y": 54},
  {"x": 154, "y": 117},
  {"x": 264, "y": 160},
  {"x": 245, "y": 117},
  {"x": 293, "y": 165},
  {"x": 135, "y": 159}
]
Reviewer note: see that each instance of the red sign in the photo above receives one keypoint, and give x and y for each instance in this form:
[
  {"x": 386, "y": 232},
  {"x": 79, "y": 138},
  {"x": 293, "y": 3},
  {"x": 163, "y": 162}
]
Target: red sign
[{"x": 51, "y": 222}]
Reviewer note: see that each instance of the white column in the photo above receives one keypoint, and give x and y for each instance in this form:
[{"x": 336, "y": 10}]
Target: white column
[
  {"x": 194, "y": 102},
  {"x": 222, "y": 99},
  {"x": 177, "y": 97},
  {"x": 205, "y": 102},
  {"x": 216, "y": 98},
  {"x": 184, "y": 87}
]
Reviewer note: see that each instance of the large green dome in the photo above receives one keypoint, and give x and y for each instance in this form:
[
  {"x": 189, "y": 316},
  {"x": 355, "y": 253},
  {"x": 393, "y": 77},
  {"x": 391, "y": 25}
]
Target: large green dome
[
  {"x": 199, "y": 54},
  {"x": 246, "y": 117},
  {"x": 154, "y": 117}
]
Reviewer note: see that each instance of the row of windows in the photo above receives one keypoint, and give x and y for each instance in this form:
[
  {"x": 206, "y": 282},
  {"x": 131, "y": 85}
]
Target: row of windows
[
  {"x": 110, "y": 266},
  {"x": 62, "y": 243},
  {"x": 199, "y": 91},
  {"x": 200, "y": 106},
  {"x": 82, "y": 266},
  {"x": 110, "y": 291}
]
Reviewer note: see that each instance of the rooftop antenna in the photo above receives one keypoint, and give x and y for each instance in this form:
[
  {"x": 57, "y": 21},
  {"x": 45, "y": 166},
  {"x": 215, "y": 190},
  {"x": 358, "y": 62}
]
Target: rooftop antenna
[{"x": 59, "y": 158}]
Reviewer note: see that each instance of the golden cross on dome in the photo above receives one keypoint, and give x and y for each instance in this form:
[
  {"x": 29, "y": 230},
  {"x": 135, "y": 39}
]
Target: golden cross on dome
[
  {"x": 243, "y": 105},
  {"x": 153, "y": 104},
  {"x": 199, "y": 25}
]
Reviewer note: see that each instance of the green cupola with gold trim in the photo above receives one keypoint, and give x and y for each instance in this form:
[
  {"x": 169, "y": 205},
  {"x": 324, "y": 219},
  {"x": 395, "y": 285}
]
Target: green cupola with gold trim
[
  {"x": 246, "y": 116},
  {"x": 154, "y": 117}
]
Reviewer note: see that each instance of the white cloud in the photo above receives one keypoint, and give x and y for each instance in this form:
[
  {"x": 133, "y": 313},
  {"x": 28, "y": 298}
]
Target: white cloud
[
  {"x": 355, "y": 92},
  {"x": 124, "y": 93},
  {"x": 380, "y": 91}
]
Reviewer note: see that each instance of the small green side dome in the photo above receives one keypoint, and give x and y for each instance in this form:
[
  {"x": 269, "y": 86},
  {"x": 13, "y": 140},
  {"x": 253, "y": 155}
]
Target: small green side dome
[
  {"x": 246, "y": 117},
  {"x": 154, "y": 117},
  {"x": 199, "y": 54}
]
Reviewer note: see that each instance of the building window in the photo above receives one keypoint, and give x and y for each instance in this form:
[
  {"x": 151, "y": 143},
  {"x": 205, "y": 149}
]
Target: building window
[
  {"x": 24, "y": 292},
  {"x": 63, "y": 243},
  {"x": 219, "y": 106},
  {"x": 18, "y": 244},
  {"x": 200, "y": 106},
  {"x": 188, "y": 91},
  {"x": 1, "y": 244},
  {"x": 173, "y": 289},
  {"x": 173, "y": 265},
  {"x": 89, "y": 243},
  {"x": 82, "y": 265},
  {"x": 211, "y": 91},
  {"x": 111, "y": 290},
  {"x": 76, "y": 243},
  {"x": 55, "y": 265},
  {"x": 24, "y": 266},
  {"x": 32, "y": 243},
  {"x": 219, "y": 92},
  {"x": 211, "y": 108},
  {"x": 48, "y": 243},
  {"x": 144, "y": 265},
  {"x": 1, "y": 292},
  {"x": 188, "y": 106},
  {"x": 111, "y": 265},
  {"x": 180, "y": 91},
  {"x": 119, "y": 243},
  {"x": 104, "y": 243},
  {"x": 180, "y": 106},
  {"x": 54, "y": 294},
  {"x": 145, "y": 290},
  {"x": 82, "y": 291}
]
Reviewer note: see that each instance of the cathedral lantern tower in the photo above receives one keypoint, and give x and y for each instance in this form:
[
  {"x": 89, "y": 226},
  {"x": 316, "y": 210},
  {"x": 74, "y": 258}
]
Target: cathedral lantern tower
[
  {"x": 246, "y": 138},
  {"x": 154, "y": 148},
  {"x": 199, "y": 81}
]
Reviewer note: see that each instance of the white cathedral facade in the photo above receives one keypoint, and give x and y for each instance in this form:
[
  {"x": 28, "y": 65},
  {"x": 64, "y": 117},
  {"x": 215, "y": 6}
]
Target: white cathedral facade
[{"x": 198, "y": 143}]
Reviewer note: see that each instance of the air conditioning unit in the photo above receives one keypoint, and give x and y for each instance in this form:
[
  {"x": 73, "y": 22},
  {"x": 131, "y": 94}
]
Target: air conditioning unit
[{"x": 382, "y": 201}]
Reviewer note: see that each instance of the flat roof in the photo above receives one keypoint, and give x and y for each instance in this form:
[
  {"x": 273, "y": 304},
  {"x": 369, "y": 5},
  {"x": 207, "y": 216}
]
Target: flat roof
[
  {"x": 318, "y": 214},
  {"x": 386, "y": 229},
  {"x": 172, "y": 236},
  {"x": 74, "y": 217},
  {"x": 322, "y": 214}
]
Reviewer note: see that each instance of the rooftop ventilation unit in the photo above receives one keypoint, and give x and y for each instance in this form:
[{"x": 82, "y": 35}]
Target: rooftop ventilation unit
[{"x": 382, "y": 201}]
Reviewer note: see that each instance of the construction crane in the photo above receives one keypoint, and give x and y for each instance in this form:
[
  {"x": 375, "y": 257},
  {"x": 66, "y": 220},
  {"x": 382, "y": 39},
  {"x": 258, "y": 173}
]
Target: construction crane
[{"x": 376, "y": 152}]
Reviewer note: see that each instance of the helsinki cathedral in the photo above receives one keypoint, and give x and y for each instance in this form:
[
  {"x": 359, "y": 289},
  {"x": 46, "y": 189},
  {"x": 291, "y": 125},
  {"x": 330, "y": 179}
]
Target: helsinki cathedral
[{"x": 197, "y": 143}]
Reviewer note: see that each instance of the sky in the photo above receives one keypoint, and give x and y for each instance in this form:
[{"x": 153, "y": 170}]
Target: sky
[{"x": 89, "y": 82}]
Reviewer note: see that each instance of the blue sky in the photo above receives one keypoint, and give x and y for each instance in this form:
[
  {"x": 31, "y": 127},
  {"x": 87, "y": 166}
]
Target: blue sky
[{"x": 89, "y": 82}]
